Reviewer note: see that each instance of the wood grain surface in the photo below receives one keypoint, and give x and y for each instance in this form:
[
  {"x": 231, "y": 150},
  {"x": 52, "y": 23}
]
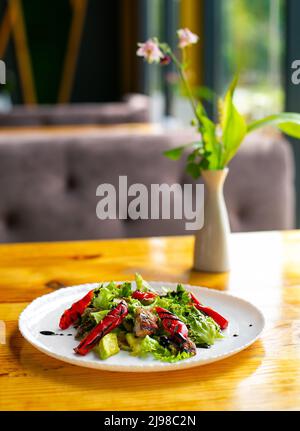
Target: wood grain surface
[{"x": 265, "y": 270}]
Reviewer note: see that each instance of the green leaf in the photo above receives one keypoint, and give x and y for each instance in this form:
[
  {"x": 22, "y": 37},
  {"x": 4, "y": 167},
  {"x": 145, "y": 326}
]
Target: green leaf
[
  {"x": 99, "y": 315},
  {"x": 204, "y": 93},
  {"x": 174, "y": 153},
  {"x": 105, "y": 298},
  {"x": 291, "y": 129},
  {"x": 197, "y": 145},
  {"x": 191, "y": 157},
  {"x": 233, "y": 126},
  {"x": 152, "y": 346},
  {"x": 193, "y": 169},
  {"x": 204, "y": 164},
  {"x": 200, "y": 111},
  {"x": 125, "y": 289},
  {"x": 212, "y": 146},
  {"x": 287, "y": 122},
  {"x": 142, "y": 284}
]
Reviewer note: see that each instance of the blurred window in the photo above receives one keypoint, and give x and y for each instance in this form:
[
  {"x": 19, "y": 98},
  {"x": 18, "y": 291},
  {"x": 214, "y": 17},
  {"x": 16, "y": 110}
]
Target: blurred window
[
  {"x": 238, "y": 35},
  {"x": 251, "y": 41}
]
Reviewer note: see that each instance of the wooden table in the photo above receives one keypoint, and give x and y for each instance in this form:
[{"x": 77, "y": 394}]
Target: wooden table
[{"x": 265, "y": 270}]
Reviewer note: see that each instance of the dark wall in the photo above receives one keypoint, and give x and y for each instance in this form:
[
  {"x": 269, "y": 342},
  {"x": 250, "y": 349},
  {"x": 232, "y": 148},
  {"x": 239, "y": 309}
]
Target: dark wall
[
  {"x": 47, "y": 25},
  {"x": 98, "y": 72}
]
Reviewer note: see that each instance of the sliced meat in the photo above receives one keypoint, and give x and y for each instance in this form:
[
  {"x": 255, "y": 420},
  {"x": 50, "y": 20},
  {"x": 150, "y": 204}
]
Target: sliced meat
[
  {"x": 189, "y": 346},
  {"x": 145, "y": 322},
  {"x": 184, "y": 344}
]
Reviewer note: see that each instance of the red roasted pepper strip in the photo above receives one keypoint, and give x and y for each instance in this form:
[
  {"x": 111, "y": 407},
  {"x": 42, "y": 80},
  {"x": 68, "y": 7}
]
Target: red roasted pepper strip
[
  {"x": 113, "y": 319},
  {"x": 177, "y": 329},
  {"x": 220, "y": 320},
  {"x": 144, "y": 296},
  {"x": 75, "y": 311},
  {"x": 172, "y": 324}
]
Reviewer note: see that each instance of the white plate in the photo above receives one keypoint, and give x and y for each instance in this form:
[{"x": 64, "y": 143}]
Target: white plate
[{"x": 246, "y": 323}]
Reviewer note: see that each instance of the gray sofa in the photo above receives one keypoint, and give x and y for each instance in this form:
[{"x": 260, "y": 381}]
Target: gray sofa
[
  {"x": 48, "y": 186},
  {"x": 134, "y": 108}
]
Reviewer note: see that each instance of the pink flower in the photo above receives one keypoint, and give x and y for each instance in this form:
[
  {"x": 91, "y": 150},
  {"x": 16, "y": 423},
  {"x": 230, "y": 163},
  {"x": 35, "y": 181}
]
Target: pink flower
[
  {"x": 186, "y": 37},
  {"x": 150, "y": 51}
]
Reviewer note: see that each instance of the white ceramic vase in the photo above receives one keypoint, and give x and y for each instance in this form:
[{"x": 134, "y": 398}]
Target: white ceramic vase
[{"x": 211, "y": 252}]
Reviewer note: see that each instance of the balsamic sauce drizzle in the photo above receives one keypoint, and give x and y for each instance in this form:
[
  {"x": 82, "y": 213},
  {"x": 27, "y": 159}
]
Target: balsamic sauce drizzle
[
  {"x": 236, "y": 335},
  {"x": 53, "y": 333},
  {"x": 204, "y": 346}
]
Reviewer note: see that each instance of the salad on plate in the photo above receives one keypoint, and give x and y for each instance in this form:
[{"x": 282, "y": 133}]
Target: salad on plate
[{"x": 169, "y": 325}]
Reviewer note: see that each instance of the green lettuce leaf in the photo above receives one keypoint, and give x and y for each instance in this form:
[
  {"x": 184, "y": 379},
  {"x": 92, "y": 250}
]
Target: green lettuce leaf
[
  {"x": 99, "y": 315},
  {"x": 105, "y": 296},
  {"x": 202, "y": 329},
  {"x": 142, "y": 284},
  {"x": 152, "y": 346},
  {"x": 125, "y": 290}
]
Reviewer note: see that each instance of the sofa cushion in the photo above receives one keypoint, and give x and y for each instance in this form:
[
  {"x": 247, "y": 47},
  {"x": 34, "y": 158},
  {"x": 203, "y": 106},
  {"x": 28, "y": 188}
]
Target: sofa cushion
[
  {"x": 133, "y": 109},
  {"x": 48, "y": 185}
]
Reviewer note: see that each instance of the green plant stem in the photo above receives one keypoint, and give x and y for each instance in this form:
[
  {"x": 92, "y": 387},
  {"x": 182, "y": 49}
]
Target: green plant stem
[{"x": 186, "y": 84}]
